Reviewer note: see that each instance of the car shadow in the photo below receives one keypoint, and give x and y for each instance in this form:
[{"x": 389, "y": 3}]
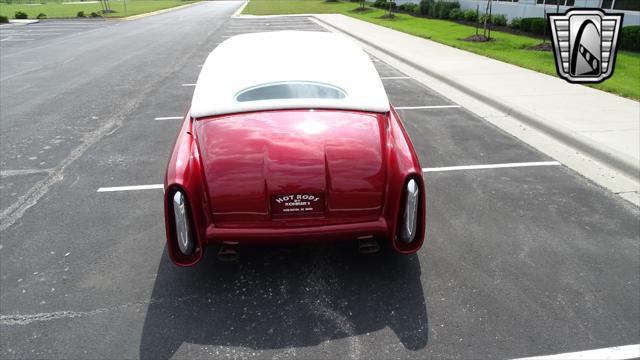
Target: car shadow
[{"x": 275, "y": 298}]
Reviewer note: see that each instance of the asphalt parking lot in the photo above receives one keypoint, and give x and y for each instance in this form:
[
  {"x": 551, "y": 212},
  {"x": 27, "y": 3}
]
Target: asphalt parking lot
[
  {"x": 519, "y": 260},
  {"x": 46, "y": 30}
]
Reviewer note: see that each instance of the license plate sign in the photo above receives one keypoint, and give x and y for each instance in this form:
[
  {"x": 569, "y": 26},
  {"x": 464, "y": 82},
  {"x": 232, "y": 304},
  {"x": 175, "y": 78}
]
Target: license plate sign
[{"x": 297, "y": 204}]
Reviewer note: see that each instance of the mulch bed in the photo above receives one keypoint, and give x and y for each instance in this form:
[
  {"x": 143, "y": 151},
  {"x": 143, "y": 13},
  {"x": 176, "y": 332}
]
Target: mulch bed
[
  {"x": 547, "y": 46},
  {"x": 477, "y": 38}
]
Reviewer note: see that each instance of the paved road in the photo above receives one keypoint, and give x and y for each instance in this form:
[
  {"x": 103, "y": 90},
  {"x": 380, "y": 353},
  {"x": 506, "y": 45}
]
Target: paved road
[
  {"x": 518, "y": 261},
  {"x": 46, "y": 30}
]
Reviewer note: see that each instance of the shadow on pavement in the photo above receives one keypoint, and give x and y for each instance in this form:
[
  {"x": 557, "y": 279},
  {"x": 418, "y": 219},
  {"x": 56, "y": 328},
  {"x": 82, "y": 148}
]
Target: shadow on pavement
[{"x": 285, "y": 297}]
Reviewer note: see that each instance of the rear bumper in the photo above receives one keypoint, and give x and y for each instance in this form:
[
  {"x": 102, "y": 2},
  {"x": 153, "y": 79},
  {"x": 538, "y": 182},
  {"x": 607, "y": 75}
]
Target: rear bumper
[{"x": 298, "y": 235}]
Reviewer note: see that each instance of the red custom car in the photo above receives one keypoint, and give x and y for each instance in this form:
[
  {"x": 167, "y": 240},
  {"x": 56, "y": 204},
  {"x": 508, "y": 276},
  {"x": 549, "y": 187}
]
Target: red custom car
[{"x": 291, "y": 139}]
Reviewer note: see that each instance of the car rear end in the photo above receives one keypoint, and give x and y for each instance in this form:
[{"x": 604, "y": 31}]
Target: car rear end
[{"x": 302, "y": 176}]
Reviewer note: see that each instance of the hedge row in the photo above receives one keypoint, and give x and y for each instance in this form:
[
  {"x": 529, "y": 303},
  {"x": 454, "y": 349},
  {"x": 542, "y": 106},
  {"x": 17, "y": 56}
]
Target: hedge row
[
  {"x": 438, "y": 9},
  {"x": 534, "y": 26},
  {"x": 383, "y": 4},
  {"x": 410, "y": 8},
  {"x": 630, "y": 35},
  {"x": 434, "y": 8},
  {"x": 630, "y": 38}
]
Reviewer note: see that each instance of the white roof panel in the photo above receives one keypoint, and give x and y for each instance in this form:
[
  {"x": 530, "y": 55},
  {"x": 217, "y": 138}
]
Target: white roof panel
[{"x": 252, "y": 60}]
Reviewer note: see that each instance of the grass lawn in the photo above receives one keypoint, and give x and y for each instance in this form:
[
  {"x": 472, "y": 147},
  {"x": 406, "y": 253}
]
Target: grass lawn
[
  {"x": 272, "y": 7},
  {"x": 506, "y": 47},
  {"x": 61, "y": 10}
]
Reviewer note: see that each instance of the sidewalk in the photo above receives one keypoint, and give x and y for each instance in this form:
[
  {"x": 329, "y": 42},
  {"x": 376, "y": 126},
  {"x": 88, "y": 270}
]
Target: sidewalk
[{"x": 601, "y": 125}]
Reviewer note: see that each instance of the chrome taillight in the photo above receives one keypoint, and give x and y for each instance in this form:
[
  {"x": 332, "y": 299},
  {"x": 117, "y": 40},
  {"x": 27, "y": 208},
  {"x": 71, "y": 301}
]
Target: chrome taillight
[
  {"x": 186, "y": 243},
  {"x": 410, "y": 217}
]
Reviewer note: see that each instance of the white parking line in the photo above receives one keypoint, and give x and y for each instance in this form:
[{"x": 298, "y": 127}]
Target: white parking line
[
  {"x": 395, "y": 77},
  {"x": 2, "y": 31},
  {"x": 131, "y": 188},
  {"x": 491, "y": 166},
  {"x": 47, "y": 28},
  {"x": 31, "y": 34},
  {"x": 7, "y": 173},
  {"x": 188, "y": 84},
  {"x": 427, "y": 107},
  {"x": 611, "y": 353},
  {"x": 17, "y": 39},
  {"x": 169, "y": 118}
]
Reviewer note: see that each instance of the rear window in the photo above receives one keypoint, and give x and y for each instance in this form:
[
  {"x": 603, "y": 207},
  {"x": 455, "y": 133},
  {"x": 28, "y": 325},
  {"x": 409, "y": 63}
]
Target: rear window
[{"x": 291, "y": 90}]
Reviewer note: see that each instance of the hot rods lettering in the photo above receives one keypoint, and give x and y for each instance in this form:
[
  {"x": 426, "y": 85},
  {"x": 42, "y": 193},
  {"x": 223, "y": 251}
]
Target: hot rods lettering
[{"x": 300, "y": 199}]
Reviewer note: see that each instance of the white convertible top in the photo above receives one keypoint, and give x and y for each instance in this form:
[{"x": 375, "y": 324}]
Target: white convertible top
[{"x": 326, "y": 63}]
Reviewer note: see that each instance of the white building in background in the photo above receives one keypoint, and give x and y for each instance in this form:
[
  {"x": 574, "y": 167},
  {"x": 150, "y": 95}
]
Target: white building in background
[{"x": 538, "y": 8}]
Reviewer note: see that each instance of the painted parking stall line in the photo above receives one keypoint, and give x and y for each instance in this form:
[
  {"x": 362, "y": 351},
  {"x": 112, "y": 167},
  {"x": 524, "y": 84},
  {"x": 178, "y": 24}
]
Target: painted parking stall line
[
  {"x": 610, "y": 353},
  {"x": 131, "y": 188},
  {"x": 169, "y": 118},
  {"x": 491, "y": 166},
  {"x": 427, "y": 107},
  {"x": 395, "y": 77},
  {"x": 187, "y": 85},
  {"x": 17, "y": 39},
  {"x": 32, "y": 34}
]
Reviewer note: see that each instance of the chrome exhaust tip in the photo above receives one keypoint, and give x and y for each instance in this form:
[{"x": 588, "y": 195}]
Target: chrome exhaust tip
[
  {"x": 368, "y": 245},
  {"x": 228, "y": 252}
]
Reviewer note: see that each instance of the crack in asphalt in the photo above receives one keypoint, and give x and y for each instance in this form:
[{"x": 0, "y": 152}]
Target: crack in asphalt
[
  {"x": 15, "y": 211},
  {"x": 25, "y": 319},
  {"x": 18, "y": 319}
]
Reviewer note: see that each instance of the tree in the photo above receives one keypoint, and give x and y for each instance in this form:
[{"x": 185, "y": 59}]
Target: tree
[
  {"x": 389, "y": 13},
  {"x": 487, "y": 20}
]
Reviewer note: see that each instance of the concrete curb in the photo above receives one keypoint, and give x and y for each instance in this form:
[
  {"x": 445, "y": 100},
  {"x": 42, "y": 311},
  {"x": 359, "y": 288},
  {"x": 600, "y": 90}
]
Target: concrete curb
[
  {"x": 157, "y": 12},
  {"x": 622, "y": 163},
  {"x": 239, "y": 11}
]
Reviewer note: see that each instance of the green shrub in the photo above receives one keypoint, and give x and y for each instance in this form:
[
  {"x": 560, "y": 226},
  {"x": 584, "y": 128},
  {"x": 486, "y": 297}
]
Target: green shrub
[
  {"x": 41, "y": 16},
  {"x": 499, "y": 20},
  {"x": 95, "y": 15},
  {"x": 533, "y": 25},
  {"x": 80, "y": 14},
  {"x": 470, "y": 15},
  {"x": 4, "y": 19},
  {"x": 20, "y": 15},
  {"x": 525, "y": 24},
  {"x": 456, "y": 14},
  {"x": 630, "y": 38},
  {"x": 409, "y": 8},
  {"x": 424, "y": 6},
  {"x": 515, "y": 23},
  {"x": 380, "y": 4},
  {"x": 443, "y": 8},
  {"x": 538, "y": 26}
]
